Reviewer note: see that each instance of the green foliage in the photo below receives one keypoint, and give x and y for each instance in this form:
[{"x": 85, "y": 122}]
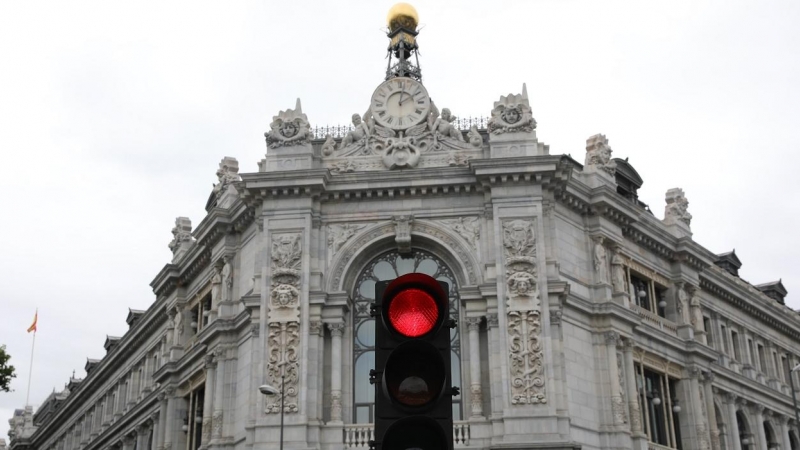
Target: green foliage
[{"x": 6, "y": 370}]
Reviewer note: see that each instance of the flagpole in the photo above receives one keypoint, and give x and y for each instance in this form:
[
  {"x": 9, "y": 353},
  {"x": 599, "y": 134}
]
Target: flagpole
[{"x": 30, "y": 372}]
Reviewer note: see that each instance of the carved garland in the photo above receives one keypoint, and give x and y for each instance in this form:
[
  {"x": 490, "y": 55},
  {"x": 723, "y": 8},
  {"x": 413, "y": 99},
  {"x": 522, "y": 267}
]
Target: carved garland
[
  {"x": 283, "y": 327},
  {"x": 524, "y": 313}
]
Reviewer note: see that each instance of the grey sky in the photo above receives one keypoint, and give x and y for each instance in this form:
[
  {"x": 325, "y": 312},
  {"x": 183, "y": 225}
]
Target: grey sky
[{"x": 114, "y": 116}]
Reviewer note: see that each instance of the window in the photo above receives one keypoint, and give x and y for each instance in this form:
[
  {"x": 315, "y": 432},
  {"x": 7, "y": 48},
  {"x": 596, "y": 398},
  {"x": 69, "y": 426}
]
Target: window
[
  {"x": 199, "y": 313},
  {"x": 737, "y": 353},
  {"x": 648, "y": 294},
  {"x": 193, "y": 422},
  {"x": 787, "y": 371},
  {"x": 657, "y": 394},
  {"x": 762, "y": 360},
  {"x": 776, "y": 365},
  {"x": 752, "y": 352},
  {"x": 388, "y": 266},
  {"x": 707, "y": 328}
]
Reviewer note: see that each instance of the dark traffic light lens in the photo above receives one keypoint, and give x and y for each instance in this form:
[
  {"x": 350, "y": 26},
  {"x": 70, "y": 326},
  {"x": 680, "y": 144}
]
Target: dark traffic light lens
[
  {"x": 415, "y": 374},
  {"x": 413, "y": 312},
  {"x": 415, "y": 433}
]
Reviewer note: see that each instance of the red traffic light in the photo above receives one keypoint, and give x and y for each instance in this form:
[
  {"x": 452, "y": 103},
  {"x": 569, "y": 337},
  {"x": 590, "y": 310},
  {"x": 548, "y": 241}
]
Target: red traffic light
[
  {"x": 416, "y": 304},
  {"x": 413, "y": 312}
]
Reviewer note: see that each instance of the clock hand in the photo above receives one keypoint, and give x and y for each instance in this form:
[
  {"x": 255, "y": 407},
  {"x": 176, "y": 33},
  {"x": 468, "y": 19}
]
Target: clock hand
[{"x": 402, "y": 91}]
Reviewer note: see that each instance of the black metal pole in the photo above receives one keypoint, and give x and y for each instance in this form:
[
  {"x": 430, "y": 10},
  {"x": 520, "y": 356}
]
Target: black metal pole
[
  {"x": 283, "y": 377},
  {"x": 794, "y": 396}
]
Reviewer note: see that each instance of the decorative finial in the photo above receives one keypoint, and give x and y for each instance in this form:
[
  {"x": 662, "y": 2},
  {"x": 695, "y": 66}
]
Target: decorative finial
[
  {"x": 402, "y": 21},
  {"x": 402, "y": 15}
]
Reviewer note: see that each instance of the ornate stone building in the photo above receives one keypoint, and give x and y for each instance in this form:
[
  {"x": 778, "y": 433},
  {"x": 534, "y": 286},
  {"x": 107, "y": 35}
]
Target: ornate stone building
[{"x": 583, "y": 319}]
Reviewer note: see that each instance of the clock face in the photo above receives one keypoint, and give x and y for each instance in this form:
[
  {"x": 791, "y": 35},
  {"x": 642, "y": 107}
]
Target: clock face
[{"x": 400, "y": 103}]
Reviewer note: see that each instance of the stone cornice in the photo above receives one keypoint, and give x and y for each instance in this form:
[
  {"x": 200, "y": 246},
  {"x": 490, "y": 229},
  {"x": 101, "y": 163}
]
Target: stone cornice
[
  {"x": 95, "y": 382},
  {"x": 751, "y": 301},
  {"x": 552, "y": 172},
  {"x": 255, "y": 187}
]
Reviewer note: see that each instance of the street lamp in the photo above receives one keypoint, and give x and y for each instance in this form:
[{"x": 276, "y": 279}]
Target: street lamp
[
  {"x": 794, "y": 394},
  {"x": 269, "y": 390}
]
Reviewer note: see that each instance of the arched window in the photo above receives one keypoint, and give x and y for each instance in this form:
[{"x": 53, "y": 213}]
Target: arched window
[{"x": 388, "y": 266}]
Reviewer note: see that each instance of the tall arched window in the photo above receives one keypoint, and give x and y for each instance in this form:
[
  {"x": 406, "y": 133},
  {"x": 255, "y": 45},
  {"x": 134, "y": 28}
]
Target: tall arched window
[{"x": 388, "y": 266}]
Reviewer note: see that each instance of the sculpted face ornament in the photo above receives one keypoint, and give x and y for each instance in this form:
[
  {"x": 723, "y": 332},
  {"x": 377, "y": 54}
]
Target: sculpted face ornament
[
  {"x": 511, "y": 115},
  {"x": 401, "y": 153},
  {"x": 288, "y": 130}
]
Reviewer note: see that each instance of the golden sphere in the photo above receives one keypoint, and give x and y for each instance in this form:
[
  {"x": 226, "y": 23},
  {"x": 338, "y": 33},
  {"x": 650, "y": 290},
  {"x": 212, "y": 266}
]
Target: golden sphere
[{"x": 402, "y": 14}]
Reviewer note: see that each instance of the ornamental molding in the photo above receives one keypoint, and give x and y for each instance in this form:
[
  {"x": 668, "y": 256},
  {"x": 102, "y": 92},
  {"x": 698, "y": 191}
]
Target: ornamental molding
[
  {"x": 283, "y": 320},
  {"x": 339, "y": 234},
  {"x": 526, "y": 356},
  {"x": 469, "y": 228},
  {"x": 462, "y": 259}
]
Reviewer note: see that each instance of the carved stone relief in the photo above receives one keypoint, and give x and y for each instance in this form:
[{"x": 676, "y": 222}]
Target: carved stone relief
[
  {"x": 181, "y": 232},
  {"x": 289, "y": 128},
  {"x": 396, "y": 149},
  {"x": 512, "y": 114},
  {"x": 338, "y": 235},
  {"x": 598, "y": 155},
  {"x": 524, "y": 313},
  {"x": 600, "y": 260},
  {"x": 468, "y": 228},
  {"x": 526, "y": 358},
  {"x": 402, "y": 232},
  {"x": 677, "y": 209},
  {"x": 227, "y": 174},
  {"x": 283, "y": 327}
]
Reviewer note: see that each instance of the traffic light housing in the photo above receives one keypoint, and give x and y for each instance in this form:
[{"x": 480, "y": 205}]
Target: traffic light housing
[{"x": 413, "y": 390}]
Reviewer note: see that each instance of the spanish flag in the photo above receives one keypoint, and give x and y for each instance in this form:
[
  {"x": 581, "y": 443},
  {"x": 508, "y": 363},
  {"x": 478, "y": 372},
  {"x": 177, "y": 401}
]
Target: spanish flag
[{"x": 35, "y": 319}]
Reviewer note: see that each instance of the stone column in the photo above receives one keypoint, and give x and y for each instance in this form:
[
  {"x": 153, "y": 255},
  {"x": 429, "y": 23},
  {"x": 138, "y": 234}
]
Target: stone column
[
  {"x": 162, "y": 421},
  {"x": 141, "y": 437},
  {"x": 337, "y": 329},
  {"x": 758, "y": 413},
  {"x": 127, "y": 442},
  {"x": 495, "y": 367},
  {"x": 634, "y": 410},
  {"x": 786, "y": 442},
  {"x": 473, "y": 327},
  {"x": 155, "y": 421},
  {"x": 208, "y": 398},
  {"x": 619, "y": 415},
  {"x": 169, "y": 422},
  {"x": 713, "y": 427},
  {"x": 219, "y": 387},
  {"x": 696, "y": 427},
  {"x": 145, "y": 383},
  {"x": 129, "y": 397},
  {"x": 733, "y": 425}
]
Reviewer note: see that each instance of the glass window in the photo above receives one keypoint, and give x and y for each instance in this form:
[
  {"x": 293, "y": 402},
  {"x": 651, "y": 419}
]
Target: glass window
[{"x": 388, "y": 266}]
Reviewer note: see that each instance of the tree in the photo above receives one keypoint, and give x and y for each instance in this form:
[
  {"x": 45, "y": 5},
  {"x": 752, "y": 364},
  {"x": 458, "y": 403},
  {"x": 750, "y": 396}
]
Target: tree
[{"x": 6, "y": 370}]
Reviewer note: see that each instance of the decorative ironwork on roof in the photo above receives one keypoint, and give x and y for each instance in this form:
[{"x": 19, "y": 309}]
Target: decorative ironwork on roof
[{"x": 340, "y": 131}]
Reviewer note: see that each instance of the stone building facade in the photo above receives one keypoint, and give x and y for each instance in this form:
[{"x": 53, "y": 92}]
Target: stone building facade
[{"x": 584, "y": 321}]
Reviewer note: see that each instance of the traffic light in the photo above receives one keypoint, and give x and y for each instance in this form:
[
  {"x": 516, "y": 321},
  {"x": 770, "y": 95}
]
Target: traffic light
[{"x": 413, "y": 393}]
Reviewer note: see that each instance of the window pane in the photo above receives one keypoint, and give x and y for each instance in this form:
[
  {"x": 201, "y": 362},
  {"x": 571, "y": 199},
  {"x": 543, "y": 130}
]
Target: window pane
[
  {"x": 404, "y": 265},
  {"x": 362, "y": 414},
  {"x": 367, "y": 289},
  {"x": 366, "y": 334},
  {"x": 384, "y": 271},
  {"x": 365, "y": 392},
  {"x": 428, "y": 267}
]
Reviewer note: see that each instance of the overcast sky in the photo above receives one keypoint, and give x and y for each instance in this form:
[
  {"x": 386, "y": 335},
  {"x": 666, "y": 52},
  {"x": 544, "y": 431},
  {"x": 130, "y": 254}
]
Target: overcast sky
[{"x": 115, "y": 115}]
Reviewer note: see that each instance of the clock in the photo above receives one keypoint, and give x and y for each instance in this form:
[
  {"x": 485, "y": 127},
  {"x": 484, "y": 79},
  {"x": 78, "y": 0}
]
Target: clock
[{"x": 400, "y": 103}]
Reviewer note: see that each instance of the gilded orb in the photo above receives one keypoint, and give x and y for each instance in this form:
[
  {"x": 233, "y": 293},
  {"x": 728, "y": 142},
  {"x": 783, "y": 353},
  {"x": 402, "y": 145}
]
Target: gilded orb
[{"x": 402, "y": 15}]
